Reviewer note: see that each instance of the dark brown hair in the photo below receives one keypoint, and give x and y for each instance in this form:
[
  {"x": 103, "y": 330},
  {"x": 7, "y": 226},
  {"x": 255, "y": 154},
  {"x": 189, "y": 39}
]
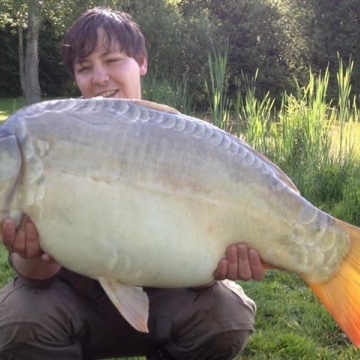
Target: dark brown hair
[{"x": 81, "y": 39}]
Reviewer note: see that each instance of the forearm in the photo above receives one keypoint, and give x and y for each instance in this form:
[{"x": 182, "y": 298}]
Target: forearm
[{"x": 35, "y": 268}]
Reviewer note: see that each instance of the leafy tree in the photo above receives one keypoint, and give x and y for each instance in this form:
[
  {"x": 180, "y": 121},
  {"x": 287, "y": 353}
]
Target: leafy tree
[
  {"x": 263, "y": 40},
  {"x": 54, "y": 78},
  {"x": 9, "y": 68},
  {"x": 275, "y": 39},
  {"x": 283, "y": 38},
  {"x": 21, "y": 14},
  {"x": 28, "y": 16},
  {"x": 335, "y": 33},
  {"x": 178, "y": 45}
]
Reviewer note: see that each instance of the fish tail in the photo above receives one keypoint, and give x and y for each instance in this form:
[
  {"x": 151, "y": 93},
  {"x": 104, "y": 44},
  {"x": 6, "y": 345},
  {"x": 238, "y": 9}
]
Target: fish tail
[{"x": 341, "y": 293}]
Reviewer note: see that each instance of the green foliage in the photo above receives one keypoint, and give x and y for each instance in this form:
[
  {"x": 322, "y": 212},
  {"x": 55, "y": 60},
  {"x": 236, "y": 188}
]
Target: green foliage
[
  {"x": 6, "y": 273},
  {"x": 291, "y": 323},
  {"x": 9, "y": 105},
  {"x": 9, "y": 63},
  {"x": 305, "y": 121},
  {"x": 54, "y": 79},
  {"x": 311, "y": 139},
  {"x": 173, "y": 92},
  {"x": 273, "y": 39},
  {"x": 334, "y": 29},
  {"x": 178, "y": 46},
  {"x": 253, "y": 116},
  {"x": 257, "y": 42},
  {"x": 220, "y": 105},
  {"x": 347, "y": 208}
]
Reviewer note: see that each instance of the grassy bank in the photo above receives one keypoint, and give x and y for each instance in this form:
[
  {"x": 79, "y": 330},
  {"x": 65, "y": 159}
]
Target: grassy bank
[{"x": 9, "y": 105}]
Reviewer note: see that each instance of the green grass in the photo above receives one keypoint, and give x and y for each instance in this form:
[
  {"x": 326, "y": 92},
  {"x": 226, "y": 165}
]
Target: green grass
[
  {"x": 292, "y": 324},
  {"x": 9, "y": 105},
  {"x": 5, "y": 271}
]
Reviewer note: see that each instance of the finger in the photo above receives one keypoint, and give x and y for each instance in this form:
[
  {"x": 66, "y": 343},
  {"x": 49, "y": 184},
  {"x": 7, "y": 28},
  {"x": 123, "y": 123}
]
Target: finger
[
  {"x": 32, "y": 240},
  {"x": 232, "y": 258},
  {"x": 19, "y": 245},
  {"x": 8, "y": 233},
  {"x": 257, "y": 268},
  {"x": 47, "y": 258},
  {"x": 244, "y": 268},
  {"x": 221, "y": 270}
]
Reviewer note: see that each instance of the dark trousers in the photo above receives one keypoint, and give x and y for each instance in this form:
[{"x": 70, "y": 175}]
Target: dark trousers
[{"x": 70, "y": 317}]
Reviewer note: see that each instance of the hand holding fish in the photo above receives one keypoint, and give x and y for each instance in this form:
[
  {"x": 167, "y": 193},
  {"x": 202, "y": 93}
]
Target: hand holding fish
[
  {"x": 240, "y": 263},
  {"x": 27, "y": 257}
]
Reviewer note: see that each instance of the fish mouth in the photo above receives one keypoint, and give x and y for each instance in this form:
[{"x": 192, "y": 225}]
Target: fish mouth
[{"x": 108, "y": 94}]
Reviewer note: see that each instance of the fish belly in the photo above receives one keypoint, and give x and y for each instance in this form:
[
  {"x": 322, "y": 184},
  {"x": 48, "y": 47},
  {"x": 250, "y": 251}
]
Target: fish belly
[{"x": 134, "y": 234}]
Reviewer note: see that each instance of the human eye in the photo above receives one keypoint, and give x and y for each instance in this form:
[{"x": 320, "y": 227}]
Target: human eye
[
  {"x": 114, "y": 57},
  {"x": 81, "y": 68},
  {"x": 113, "y": 60}
]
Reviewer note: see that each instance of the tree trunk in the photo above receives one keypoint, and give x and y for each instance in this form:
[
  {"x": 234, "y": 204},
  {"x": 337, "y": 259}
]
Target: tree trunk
[{"x": 32, "y": 86}]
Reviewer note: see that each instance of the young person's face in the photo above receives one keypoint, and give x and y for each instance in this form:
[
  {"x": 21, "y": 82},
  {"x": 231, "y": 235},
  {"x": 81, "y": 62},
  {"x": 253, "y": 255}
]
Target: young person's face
[{"x": 109, "y": 72}]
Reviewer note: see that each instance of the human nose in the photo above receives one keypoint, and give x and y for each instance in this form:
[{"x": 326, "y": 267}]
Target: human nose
[{"x": 100, "y": 75}]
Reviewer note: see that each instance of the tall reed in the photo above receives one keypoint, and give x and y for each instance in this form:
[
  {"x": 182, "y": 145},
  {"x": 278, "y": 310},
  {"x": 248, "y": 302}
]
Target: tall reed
[
  {"x": 219, "y": 102},
  {"x": 253, "y": 116},
  {"x": 348, "y": 112},
  {"x": 306, "y": 121},
  {"x": 172, "y": 92},
  {"x": 310, "y": 137}
]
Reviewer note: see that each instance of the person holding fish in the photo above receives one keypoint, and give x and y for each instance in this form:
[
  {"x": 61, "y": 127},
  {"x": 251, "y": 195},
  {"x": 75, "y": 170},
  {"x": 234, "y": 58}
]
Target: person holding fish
[{"x": 49, "y": 312}]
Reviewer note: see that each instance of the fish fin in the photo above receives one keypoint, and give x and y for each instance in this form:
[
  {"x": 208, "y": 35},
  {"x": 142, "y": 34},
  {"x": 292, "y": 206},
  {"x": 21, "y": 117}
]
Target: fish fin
[
  {"x": 278, "y": 172},
  {"x": 156, "y": 106},
  {"x": 283, "y": 177},
  {"x": 341, "y": 293},
  {"x": 267, "y": 266},
  {"x": 131, "y": 301}
]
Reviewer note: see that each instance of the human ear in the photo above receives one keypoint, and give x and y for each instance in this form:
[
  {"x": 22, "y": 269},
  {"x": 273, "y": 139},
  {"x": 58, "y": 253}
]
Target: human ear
[{"x": 143, "y": 67}]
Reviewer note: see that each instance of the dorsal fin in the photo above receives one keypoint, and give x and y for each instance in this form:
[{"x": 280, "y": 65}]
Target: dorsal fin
[
  {"x": 156, "y": 106},
  {"x": 279, "y": 173}
]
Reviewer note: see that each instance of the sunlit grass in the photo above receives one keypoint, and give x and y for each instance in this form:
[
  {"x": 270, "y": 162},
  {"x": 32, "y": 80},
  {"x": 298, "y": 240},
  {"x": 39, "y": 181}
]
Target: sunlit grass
[{"x": 10, "y": 105}]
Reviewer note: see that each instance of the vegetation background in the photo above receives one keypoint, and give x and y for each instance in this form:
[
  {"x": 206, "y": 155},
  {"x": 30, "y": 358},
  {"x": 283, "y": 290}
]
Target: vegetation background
[
  {"x": 279, "y": 39},
  {"x": 283, "y": 75}
]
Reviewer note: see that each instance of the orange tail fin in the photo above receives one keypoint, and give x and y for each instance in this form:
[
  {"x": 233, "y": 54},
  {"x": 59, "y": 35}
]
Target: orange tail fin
[{"x": 341, "y": 293}]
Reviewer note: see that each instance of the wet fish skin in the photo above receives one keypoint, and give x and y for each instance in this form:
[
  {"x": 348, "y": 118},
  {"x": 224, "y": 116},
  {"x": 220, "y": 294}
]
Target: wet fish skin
[{"x": 132, "y": 193}]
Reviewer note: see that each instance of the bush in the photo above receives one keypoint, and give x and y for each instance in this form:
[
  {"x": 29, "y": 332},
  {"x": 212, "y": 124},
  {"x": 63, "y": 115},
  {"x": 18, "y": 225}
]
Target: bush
[{"x": 9, "y": 63}]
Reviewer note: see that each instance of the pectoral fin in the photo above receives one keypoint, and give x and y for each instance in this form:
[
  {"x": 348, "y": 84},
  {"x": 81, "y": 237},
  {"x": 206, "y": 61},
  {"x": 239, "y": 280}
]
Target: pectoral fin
[
  {"x": 131, "y": 301},
  {"x": 10, "y": 158}
]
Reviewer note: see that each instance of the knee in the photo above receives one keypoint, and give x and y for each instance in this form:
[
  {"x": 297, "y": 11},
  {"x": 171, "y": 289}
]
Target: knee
[
  {"x": 22, "y": 315},
  {"x": 229, "y": 306},
  {"x": 29, "y": 315},
  {"x": 34, "y": 341},
  {"x": 222, "y": 345},
  {"x": 35, "y": 322},
  {"x": 229, "y": 344}
]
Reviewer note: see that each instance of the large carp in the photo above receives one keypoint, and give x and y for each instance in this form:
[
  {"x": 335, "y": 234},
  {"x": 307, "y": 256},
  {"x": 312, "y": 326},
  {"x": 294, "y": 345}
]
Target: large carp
[{"x": 136, "y": 194}]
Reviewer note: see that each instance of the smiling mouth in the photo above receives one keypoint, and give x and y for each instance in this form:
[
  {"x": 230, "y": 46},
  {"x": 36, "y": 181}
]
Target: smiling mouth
[{"x": 109, "y": 93}]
